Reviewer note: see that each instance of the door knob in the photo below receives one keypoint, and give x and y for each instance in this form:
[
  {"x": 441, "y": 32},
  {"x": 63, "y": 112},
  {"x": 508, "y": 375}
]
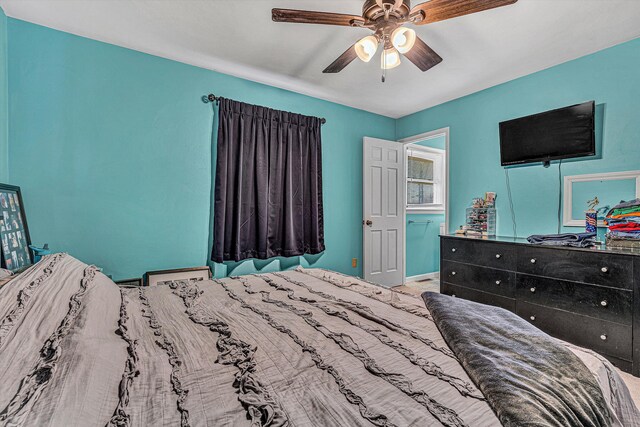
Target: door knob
[{"x": 367, "y": 222}]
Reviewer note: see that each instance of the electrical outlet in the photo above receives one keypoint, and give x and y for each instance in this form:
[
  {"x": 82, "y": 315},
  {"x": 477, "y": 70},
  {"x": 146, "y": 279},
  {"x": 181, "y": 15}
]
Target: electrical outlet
[{"x": 354, "y": 262}]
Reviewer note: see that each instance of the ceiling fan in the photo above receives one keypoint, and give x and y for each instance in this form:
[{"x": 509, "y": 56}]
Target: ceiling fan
[{"x": 386, "y": 18}]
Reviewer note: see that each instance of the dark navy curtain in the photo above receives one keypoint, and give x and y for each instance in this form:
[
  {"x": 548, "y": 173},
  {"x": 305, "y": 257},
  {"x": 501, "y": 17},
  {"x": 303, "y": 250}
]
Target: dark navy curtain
[{"x": 268, "y": 185}]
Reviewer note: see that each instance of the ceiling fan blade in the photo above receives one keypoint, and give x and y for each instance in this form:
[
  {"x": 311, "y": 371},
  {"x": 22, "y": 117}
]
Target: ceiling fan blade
[
  {"x": 422, "y": 55},
  {"x": 343, "y": 60},
  {"x": 310, "y": 17},
  {"x": 439, "y": 10}
]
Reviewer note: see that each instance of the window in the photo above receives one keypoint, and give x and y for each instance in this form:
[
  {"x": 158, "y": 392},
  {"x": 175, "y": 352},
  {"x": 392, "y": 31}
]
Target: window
[{"x": 425, "y": 179}]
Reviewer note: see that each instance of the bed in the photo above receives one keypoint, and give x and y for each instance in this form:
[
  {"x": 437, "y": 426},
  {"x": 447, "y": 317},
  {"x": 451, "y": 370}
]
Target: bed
[{"x": 307, "y": 347}]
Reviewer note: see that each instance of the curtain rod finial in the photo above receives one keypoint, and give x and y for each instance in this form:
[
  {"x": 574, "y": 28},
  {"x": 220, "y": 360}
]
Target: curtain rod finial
[
  {"x": 323, "y": 121},
  {"x": 209, "y": 98}
]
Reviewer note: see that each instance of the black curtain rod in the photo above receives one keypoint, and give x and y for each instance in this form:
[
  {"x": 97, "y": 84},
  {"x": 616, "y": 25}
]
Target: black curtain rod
[{"x": 212, "y": 98}]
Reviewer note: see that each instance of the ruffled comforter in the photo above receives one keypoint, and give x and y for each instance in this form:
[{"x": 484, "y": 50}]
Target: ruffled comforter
[{"x": 299, "y": 348}]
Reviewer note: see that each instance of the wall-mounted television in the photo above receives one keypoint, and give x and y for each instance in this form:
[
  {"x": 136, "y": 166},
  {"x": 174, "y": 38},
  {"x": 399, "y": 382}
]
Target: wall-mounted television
[{"x": 558, "y": 134}]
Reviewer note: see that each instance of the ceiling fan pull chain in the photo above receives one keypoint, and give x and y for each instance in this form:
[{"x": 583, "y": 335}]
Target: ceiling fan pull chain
[{"x": 384, "y": 66}]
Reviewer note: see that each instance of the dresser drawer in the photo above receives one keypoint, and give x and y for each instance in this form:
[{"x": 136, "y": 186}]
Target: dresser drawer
[
  {"x": 499, "y": 282},
  {"x": 579, "y": 266},
  {"x": 478, "y": 296},
  {"x": 604, "y": 337},
  {"x": 614, "y": 305},
  {"x": 479, "y": 252}
]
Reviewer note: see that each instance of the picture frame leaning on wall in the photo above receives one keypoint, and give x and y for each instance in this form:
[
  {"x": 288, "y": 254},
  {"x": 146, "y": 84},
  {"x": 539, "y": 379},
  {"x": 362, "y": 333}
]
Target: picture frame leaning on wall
[{"x": 14, "y": 231}]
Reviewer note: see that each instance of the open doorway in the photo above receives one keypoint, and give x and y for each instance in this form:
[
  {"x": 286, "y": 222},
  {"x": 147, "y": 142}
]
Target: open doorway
[{"x": 426, "y": 210}]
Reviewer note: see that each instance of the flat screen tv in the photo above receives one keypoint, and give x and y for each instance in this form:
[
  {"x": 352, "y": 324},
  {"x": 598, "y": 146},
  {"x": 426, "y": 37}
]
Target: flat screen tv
[{"x": 558, "y": 134}]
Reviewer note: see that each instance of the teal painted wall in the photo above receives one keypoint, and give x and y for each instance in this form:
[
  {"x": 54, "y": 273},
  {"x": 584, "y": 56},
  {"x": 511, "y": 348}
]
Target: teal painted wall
[
  {"x": 438, "y": 142},
  {"x": 423, "y": 243},
  {"x": 610, "y": 77},
  {"x": 4, "y": 101},
  {"x": 112, "y": 149}
]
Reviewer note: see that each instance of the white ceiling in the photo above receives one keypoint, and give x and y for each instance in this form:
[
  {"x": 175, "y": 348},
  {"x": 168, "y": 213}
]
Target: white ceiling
[{"x": 238, "y": 37}]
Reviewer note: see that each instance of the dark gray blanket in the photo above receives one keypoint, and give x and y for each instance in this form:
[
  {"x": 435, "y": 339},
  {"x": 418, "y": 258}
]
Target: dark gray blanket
[{"x": 528, "y": 377}]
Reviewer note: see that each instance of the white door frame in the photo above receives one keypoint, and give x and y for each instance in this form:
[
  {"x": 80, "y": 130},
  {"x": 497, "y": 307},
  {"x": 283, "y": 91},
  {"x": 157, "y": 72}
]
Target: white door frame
[{"x": 411, "y": 140}]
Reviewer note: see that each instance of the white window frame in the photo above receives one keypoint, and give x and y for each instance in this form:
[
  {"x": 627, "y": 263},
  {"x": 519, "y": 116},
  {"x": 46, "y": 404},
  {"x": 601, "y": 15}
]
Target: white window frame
[{"x": 437, "y": 156}]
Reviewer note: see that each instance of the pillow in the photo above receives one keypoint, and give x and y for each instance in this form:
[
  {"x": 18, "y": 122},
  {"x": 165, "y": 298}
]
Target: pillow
[
  {"x": 5, "y": 276},
  {"x": 4, "y": 273}
]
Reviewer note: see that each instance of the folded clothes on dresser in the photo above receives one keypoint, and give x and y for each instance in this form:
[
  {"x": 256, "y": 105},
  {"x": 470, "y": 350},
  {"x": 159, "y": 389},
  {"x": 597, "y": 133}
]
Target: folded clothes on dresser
[
  {"x": 578, "y": 240},
  {"x": 625, "y": 208},
  {"x": 629, "y": 235},
  {"x": 626, "y": 220},
  {"x": 630, "y": 226},
  {"x": 623, "y": 221}
]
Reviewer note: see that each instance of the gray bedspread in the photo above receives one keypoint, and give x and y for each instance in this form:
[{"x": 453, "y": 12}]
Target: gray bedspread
[{"x": 300, "y": 348}]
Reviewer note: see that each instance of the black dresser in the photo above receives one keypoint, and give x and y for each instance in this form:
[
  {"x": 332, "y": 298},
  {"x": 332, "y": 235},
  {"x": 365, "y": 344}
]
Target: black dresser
[{"x": 589, "y": 297}]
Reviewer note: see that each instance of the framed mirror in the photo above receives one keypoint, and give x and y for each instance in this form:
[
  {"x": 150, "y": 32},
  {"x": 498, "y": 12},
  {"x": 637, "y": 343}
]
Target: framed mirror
[{"x": 610, "y": 188}]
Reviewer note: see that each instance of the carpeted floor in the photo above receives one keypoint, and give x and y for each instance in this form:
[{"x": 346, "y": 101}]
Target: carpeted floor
[
  {"x": 417, "y": 288},
  {"x": 433, "y": 285}
]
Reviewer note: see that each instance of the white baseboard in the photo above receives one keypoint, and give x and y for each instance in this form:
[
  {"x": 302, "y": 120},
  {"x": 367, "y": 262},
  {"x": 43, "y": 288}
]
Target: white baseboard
[{"x": 426, "y": 276}]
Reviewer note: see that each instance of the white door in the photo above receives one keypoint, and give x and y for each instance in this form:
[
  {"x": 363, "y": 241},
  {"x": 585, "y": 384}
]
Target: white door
[{"x": 383, "y": 211}]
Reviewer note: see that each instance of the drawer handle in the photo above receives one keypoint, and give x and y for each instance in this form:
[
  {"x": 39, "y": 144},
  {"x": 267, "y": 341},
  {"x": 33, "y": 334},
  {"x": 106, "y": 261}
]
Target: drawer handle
[
  {"x": 604, "y": 269},
  {"x": 603, "y": 337},
  {"x": 498, "y": 256},
  {"x": 604, "y": 303},
  {"x": 532, "y": 317},
  {"x": 453, "y": 273},
  {"x": 533, "y": 260},
  {"x": 533, "y": 290},
  {"x": 498, "y": 282},
  {"x": 453, "y": 249}
]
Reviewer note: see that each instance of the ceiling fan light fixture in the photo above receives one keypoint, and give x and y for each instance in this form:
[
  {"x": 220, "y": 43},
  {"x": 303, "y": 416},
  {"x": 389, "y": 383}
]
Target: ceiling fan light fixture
[
  {"x": 403, "y": 39},
  {"x": 390, "y": 59},
  {"x": 366, "y": 48},
  {"x": 386, "y": 19}
]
